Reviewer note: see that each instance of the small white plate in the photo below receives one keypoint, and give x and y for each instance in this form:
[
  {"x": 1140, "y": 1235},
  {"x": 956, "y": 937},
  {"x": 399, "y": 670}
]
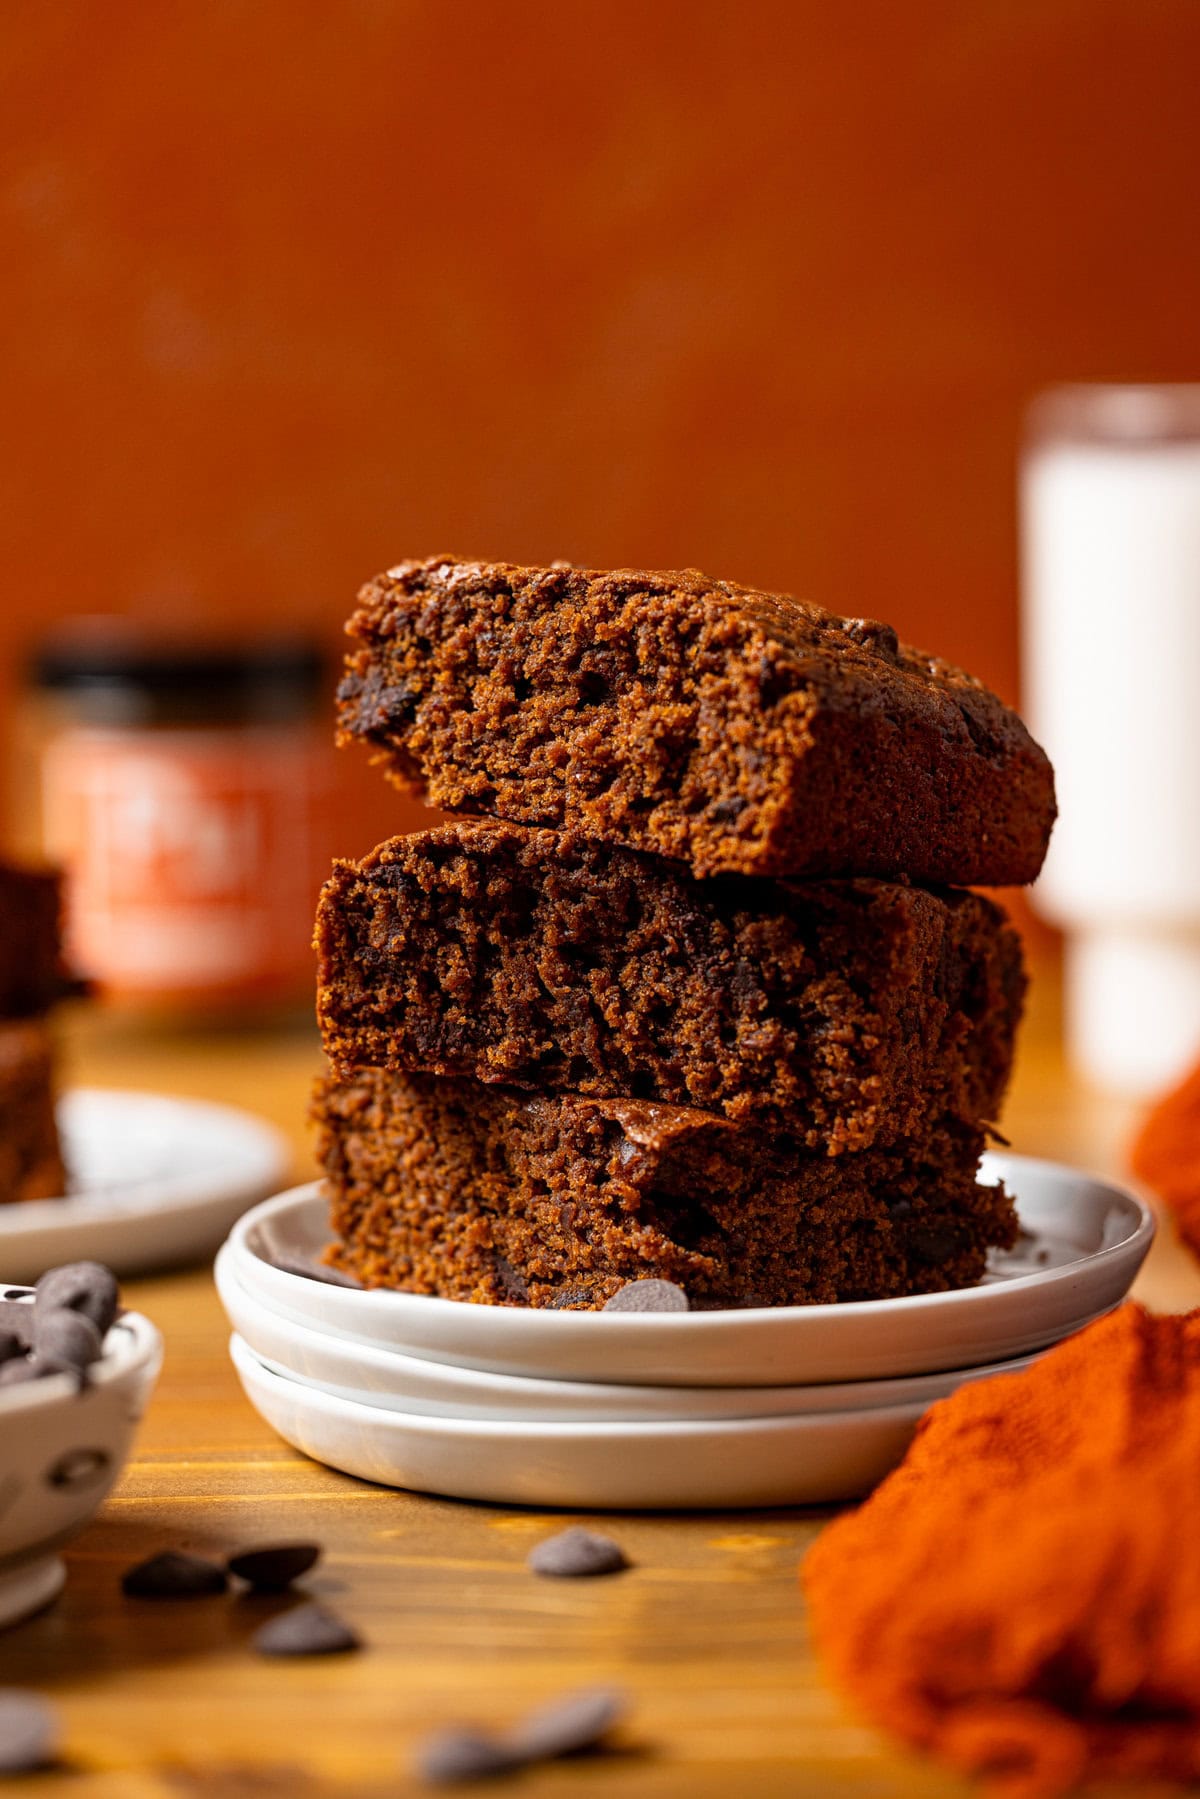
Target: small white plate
[
  {"x": 61, "y": 1449},
  {"x": 156, "y": 1181},
  {"x": 398, "y": 1383},
  {"x": 694, "y": 1466},
  {"x": 1085, "y": 1242}
]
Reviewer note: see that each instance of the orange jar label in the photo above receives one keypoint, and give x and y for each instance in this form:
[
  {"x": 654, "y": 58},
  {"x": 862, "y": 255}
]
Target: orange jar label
[{"x": 193, "y": 857}]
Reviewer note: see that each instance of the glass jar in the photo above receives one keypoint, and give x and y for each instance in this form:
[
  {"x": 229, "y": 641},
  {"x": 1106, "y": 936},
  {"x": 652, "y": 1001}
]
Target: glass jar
[
  {"x": 186, "y": 790},
  {"x": 1110, "y": 515}
]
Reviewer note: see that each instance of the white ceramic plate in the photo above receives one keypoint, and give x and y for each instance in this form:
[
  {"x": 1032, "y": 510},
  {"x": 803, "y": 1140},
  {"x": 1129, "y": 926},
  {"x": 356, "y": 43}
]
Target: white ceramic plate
[
  {"x": 399, "y": 1383},
  {"x": 693, "y": 1466},
  {"x": 157, "y": 1181},
  {"x": 1086, "y": 1241},
  {"x": 60, "y": 1452}
]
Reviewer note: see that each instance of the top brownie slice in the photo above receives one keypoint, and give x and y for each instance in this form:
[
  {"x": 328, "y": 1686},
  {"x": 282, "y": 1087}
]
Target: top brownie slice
[{"x": 736, "y": 731}]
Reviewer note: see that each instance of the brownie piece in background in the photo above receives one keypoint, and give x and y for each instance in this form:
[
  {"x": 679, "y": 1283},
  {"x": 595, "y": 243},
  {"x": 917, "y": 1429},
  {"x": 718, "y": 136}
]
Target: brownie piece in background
[
  {"x": 32, "y": 977},
  {"x": 844, "y": 1013},
  {"x": 736, "y": 731},
  {"x": 482, "y": 1193},
  {"x": 31, "y": 1165}
]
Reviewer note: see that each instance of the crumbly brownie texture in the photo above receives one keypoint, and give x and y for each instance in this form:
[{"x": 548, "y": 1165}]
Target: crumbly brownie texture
[
  {"x": 846, "y": 1013},
  {"x": 31, "y": 972},
  {"x": 737, "y": 731},
  {"x": 486, "y": 1194},
  {"x": 31, "y": 1165}
]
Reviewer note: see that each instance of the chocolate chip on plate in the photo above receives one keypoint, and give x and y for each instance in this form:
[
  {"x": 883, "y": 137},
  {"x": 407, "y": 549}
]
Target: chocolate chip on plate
[
  {"x": 86, "y": 1287},
  {"x": 648, "y": 1296},
  {"x": 274, "y": 1566},
  {"x": 174, "y": 1575},
  {"x": 305, "y": 1630},
  {"x": 65, "y": 1342},
  {"x": 462, "y": 1754},
  {"x": 28, "y": 1732},
  {"x": 567, "y": 1725},
  {"x": 577, "y": 1552}
]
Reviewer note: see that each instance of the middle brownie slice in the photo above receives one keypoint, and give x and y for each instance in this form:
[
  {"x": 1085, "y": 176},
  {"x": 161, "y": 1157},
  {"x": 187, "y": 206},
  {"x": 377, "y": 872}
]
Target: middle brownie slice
[{"x": 847, "y": 1013}]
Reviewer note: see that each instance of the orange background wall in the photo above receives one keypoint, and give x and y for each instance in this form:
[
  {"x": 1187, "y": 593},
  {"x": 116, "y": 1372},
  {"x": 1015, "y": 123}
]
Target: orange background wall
[{"x": 289, "y": 290}]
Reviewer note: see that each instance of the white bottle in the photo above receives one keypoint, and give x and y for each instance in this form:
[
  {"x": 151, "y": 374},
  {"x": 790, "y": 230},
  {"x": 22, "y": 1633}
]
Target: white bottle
[{"x": 1110, "y": 514}]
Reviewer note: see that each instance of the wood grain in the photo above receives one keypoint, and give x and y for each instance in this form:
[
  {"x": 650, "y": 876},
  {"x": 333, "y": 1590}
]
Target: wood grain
[{"x": 706, "y": 1632}]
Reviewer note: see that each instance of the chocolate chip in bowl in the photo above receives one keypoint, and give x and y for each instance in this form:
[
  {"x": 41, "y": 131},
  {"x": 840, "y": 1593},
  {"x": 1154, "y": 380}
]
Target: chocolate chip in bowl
[{"x": 70, "y": 1402}]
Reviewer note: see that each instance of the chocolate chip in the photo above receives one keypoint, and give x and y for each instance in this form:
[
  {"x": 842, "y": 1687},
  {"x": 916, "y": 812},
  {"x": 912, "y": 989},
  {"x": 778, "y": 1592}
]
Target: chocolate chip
[
  {"x": 86, "y": 1287},
  {"x": 570, "y": 1296},
  {"x": 305, "y": 1630},
  {"x": 461, "y": 1754},
  {"x": 577, "y": 1552},
  {"x": 930, "y": 1244},
  {"x": 311, "y": 1271},
  {"x": 17, "y": 1292},
  {"x": 568, "y": 1725},
  {"x": 28, "y": 1732},
  {"x": 648, "y": 1296},
  {"x": 65, "y": 1342},
  {"x": 512, "y": 1281},
  {"x": 174, "y": 1575},
  {"x": 274, "y": 1567}
]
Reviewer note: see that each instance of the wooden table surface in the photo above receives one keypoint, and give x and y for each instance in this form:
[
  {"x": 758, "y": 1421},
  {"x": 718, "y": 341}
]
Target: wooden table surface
[{"x": 707, "y": 1632}]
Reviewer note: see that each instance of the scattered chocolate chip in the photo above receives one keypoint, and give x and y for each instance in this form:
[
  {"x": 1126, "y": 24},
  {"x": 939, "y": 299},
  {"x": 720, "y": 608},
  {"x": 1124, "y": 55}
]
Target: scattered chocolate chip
[
  {"x": 174, "y": 1575},
  {"x": 461, "y": 1754},
  {"x": 577, "y": 1552},
  {"x": 312, "y": 1271},
  {"x": 85, "y": 1287},
  {"x": 305, "y": 1630},
  {"x": 17, "y": 1292},
  {"x": 275, "y": 1566},
  {"x": 648, "y": 1296},
  {"x": 65, "y": 1342},
  {"x": 568, "y": 1725},
  {"x": 28, "y": 1732}
]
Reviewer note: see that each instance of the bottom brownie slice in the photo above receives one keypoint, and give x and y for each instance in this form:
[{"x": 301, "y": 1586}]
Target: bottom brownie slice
[
  {"x": 448, "y": 1186},
  {"x": 31, "y": 1164}
]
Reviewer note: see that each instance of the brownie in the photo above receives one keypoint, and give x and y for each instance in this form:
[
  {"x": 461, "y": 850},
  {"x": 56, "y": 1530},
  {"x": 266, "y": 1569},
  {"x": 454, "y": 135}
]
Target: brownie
[
  {"x": 736, "y": 731},
  {"x": 31, "y": 971},
  {"x": 31, "y": 1165},
  {"x": 846, "y": 1013},
  {"x": 488, "y": 1194}
]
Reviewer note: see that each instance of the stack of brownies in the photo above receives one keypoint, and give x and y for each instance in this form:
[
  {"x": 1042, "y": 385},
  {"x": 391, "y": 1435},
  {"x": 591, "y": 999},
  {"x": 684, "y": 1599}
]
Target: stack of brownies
[
  {"x": 695, "y": 991},
  {"x": 31, "y": 980}
]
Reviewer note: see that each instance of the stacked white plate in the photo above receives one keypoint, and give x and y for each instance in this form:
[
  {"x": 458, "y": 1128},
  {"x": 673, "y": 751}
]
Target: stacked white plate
[{"x": 786, "y": 1406}]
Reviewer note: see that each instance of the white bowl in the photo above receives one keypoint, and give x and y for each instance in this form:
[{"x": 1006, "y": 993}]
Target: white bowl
[
  {"x": 653, "y": 1466},
  {"x": 1087, "y": 1240},
  {"x": 61, "y": 1450},
  {"x": 156, "y": 1181},
  {"x": 399, "y": 1383}
]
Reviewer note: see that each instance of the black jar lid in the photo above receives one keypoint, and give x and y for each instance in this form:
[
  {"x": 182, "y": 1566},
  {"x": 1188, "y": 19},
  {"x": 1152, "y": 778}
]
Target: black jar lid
[{"x": 112, "y": 674}]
